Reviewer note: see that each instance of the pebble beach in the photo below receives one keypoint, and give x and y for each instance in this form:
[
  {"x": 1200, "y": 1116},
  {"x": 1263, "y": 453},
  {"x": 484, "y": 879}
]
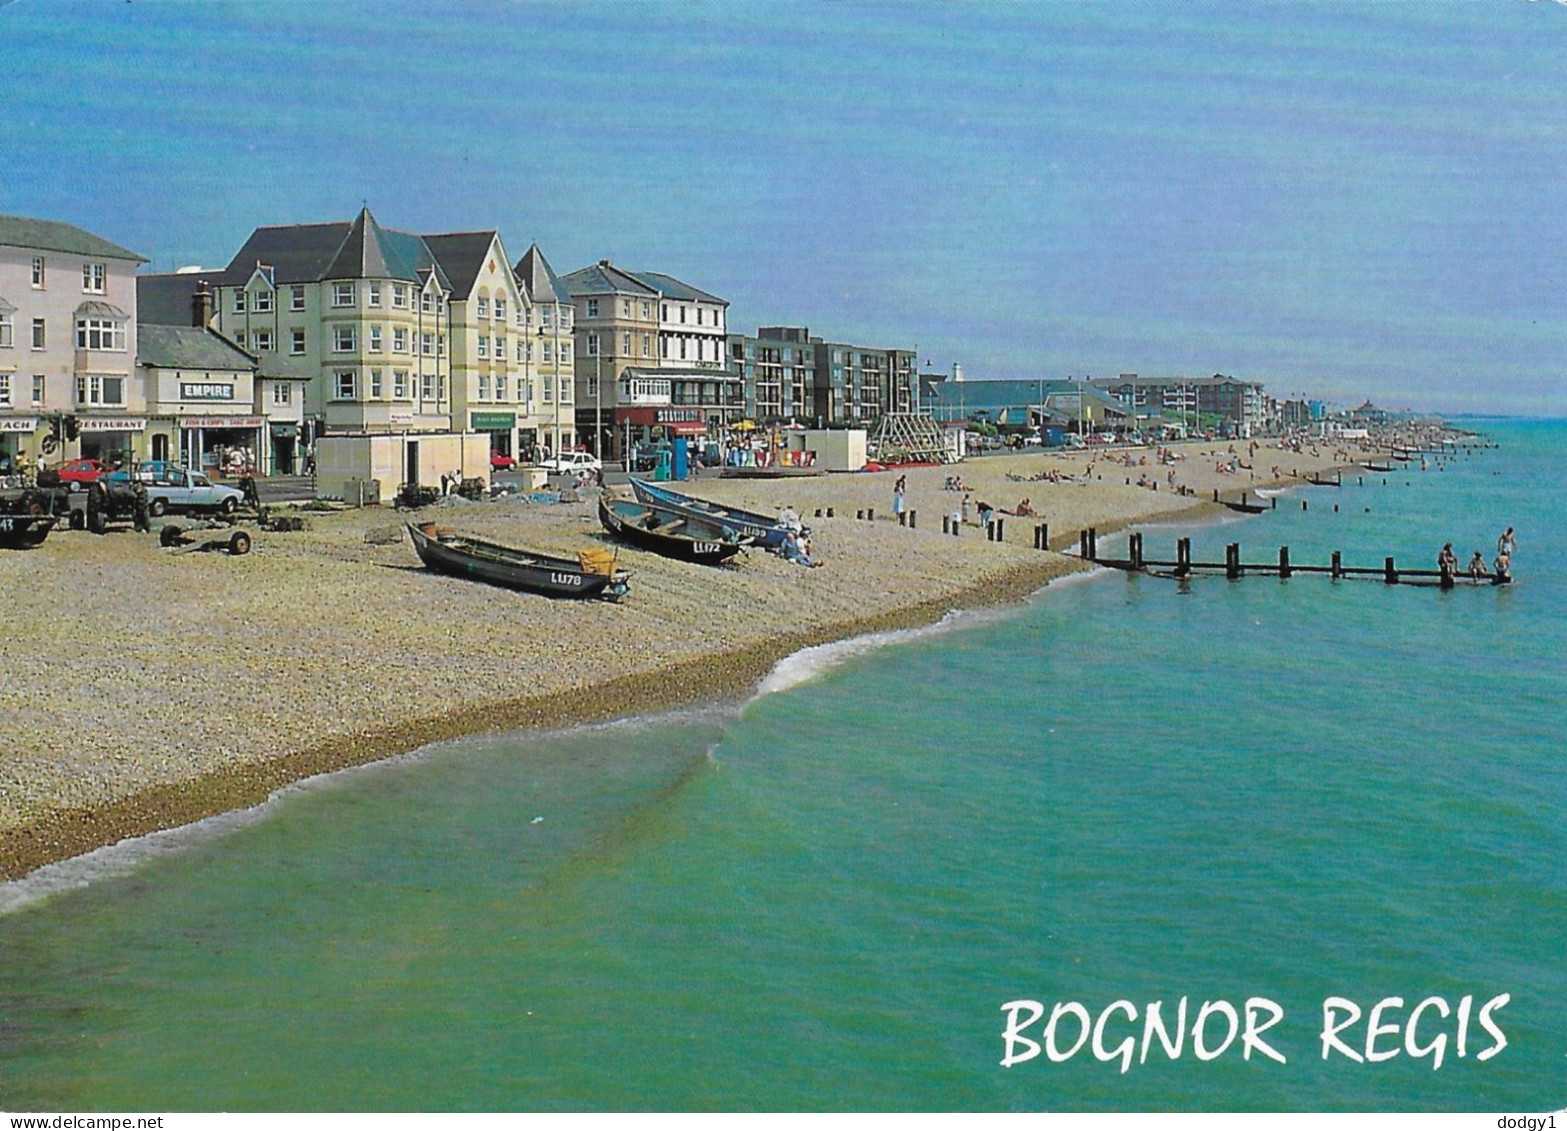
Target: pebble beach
[{"x": 148, "y": 687}]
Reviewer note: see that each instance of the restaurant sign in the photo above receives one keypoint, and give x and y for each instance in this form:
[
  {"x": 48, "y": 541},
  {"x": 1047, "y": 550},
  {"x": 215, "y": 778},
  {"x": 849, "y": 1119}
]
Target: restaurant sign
[
  {"x": 205, "y": 391},
  {"x": 667, "y": 417},
  {"x": 111, "y": 424}
]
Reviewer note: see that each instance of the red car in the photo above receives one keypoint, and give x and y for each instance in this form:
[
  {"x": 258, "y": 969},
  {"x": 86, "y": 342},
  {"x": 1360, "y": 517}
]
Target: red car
[
  {"x": 76, "y": 474},
  {"x": 500, "y": 461}
]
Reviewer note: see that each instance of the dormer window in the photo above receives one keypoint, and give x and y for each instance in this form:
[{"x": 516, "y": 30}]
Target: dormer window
[
  {"x": 261, "y": 303},
  {"x": 593, "y": 309},
  {"x": 427, "y": 302},
  {"x": 500, "y": 310},
  {"x": 484, "y": 307}
]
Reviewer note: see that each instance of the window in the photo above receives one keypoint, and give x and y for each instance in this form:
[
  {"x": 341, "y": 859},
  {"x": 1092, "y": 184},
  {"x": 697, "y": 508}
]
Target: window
[
  {"x": 427, "y": 386},
  {"x": 261, "y": 303},
  {"x": 565, "y": 319},
  {"x": 426, "y": 302},
  {"x": 593, "y": 310},
  {"x": 399, "y": 339},
  {"x": 547, "y": 388},
  {"x": 344, "y": 385},
  {"x": 38, "y": 388},
  {"x": 664, "y": 311},
  {"x": 565, "y": 389},
  {"x": 548, "y": 352},
  {"x": 375, "y": 339},
  {"x": 7, "y": 331},
  {"x": 342, "y": 294},
  {"x": 105, "y": 391},
  {"x": 484, "y": 307},
  {"x": 522, "y": 349},
  {"x": 343, "y": 339},
  {"x": 522, "y": 390},
  {"x": 682, "y": 349},
  {"x": 440, "y": 345},
  {"x": 427, "y": 344},
  {"x": 93, "y": 278},
  {"x": 296, "y": 344},
  {"x": 484, "y": 386},
  {"x": 263, "y": 341},
  {"x": 625, "y": 344},
  {"x": 647, "y": 310},
  {"x": 593, "y": 345},
  {"x": 5, "y": 388},
  {"x": 399, "y": 297},
  {"x": 239, "y": 301},
  {"x": 484, "y": 347},
  {"x": 375, "y": 294},
  {"x": 38, "y": 272},
  {"x": 625, "y": 308},
  {"x": 647, "y": 345},
  {"x": 522, "y": 315},
  {"x": 282, "y": 392},
  {"x": 565, "y": 358},
  {"x": 500, "y": 310},
  {"x": 296, "y": 298},
  {"x": 375, "y": 384},
  {"x": 593, "y": 386},
  {"x": 99, "y": 334},
  {"x": 500, "y": 347},
  {"x": 239, "y": 338},
  {"x": 400, "y": 384},
  {"x": 682, "y": 314},
  {"x": 699, "y": 316}
]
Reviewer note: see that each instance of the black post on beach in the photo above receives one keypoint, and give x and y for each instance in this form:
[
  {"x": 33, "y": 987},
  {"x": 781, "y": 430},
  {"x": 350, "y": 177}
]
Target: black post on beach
[
  {"x": 1338, "y": 564},
  {"x": 1036, "y": 535},
  {"x": 1183, "y": 557},
  {"x": 990, "y": 531},
  {"x": 870, "y": 514},
  {"x": 903, "y": 518},
  {"x": 859, "y": 516},
  {"x": 1001, "y": 530},
  {"x": 1044, "y": 536},
  {"x": 1284, "y": 562},
  {"x": 1389, "y": 574},
  {"x": 1275, "y": 502},
  {"x": 946, "y": 524},
  {"x": 1215, "y": 494},
  {"x": 1082, "y": 544},
  {"x": 913, "y": 519},
  {"x": 1093, "y": 544}
]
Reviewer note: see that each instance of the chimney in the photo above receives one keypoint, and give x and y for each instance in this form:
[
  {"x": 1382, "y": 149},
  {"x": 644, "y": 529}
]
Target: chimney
[
  {"x": 603, "y": 263},
  {"x": 201, "y": 306}
]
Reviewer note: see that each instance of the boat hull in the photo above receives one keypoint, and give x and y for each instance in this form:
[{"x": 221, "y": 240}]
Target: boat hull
[
  {"x": 511, "y": 568},
  {"x": 24, "y": 531},
  {"x": 696, "y": 540},
  {"x": 741, "y": 523}
]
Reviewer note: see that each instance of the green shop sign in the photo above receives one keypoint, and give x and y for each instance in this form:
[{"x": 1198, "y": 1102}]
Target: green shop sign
[{"x": 491, "y": 421}]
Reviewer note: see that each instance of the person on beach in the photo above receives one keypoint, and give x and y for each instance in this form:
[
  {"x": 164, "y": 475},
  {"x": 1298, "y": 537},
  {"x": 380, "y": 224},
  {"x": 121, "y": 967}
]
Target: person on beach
[
  {"x": 794, "y": 551},
  {"x": 897, "y": 498},
  {"x": 963, "y": 509},
  {"x": 1506, "y": 543},
  {"x": 1447, "y": 561},
  {"x": 985, "y": 511},
  {"x": 1477, "y": 565},
  {"x": 789, "y": 518}
]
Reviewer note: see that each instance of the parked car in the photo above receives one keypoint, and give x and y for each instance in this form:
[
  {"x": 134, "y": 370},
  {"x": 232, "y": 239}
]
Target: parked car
[
  {"x": 573, "y": 461},
  {"x": 75, "y": 474},
  {"x": 148, "y": 471},
  {"x": 190, "y": 492},
  {"x": 500, "y": 461}
]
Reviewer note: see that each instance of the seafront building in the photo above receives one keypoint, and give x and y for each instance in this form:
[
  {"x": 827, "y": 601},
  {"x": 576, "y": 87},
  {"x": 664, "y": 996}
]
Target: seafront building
[
  {"x": 778, "y": 368},
  {"x": 791, "y": 374},
  {"x": 1238, "y": 405},
  {"x": 651, "y": 359},
  {"x": 67, "y": 343},
  {"x": 547, "y": 353}
]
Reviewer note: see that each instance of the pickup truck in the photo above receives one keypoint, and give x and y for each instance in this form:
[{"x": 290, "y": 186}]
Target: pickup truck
[{"x": 189, "y": 492}]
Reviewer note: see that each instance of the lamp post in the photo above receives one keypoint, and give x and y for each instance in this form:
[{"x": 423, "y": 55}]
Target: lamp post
[{"x": 598, "y": 400}]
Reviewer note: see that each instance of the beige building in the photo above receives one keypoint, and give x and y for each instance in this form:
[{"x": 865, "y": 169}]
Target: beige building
[
  {"x": 549, "y": 349},
  {"x": 67, "y": 343}
]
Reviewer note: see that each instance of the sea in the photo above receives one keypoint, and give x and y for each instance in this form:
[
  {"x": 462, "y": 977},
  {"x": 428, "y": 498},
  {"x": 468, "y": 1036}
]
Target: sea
[{"x": 1319, "y": 822}]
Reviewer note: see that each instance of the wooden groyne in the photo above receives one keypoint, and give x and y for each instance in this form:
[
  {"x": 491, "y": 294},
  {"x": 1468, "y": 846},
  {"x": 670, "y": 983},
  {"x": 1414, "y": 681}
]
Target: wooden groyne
[{"x": 1234, "y": 568}]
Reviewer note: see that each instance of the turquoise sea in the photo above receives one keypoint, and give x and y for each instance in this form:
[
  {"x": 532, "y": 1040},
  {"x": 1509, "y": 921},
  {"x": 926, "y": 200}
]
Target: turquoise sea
[{"x": 822, "y": 899}]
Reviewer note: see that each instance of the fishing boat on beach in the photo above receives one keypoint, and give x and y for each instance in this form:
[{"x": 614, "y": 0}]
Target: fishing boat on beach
[
  {"x": 24, "y": 531},
  {"x": 593, "y": 574},
  {"x": 674, "y": 534},
  {"x": 767, "y": 532}
]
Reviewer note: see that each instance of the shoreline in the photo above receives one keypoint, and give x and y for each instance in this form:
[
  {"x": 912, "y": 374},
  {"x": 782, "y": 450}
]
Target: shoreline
[
  {"x": 969, "y": 573},
  {"x": 710, "y": 679}
]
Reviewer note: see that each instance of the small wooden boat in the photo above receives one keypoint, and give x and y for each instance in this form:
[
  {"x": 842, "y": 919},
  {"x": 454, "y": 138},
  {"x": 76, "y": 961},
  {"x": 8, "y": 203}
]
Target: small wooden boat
[
  {"x": 1377, "y": 466},
  {"x": 1244, "y": 508},
  {"x": 461, "y": 556},
  {"x": 770, "y": 472},
  {"x": 1318, "y": 481},
  {"x": 741, "y": 523},
  {"x": 672, "y": 533},
  {"x": 24, "y": 531}
]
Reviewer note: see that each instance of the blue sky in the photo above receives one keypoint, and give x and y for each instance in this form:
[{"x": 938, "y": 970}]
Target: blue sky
[{"x": 1339, "y": 199}]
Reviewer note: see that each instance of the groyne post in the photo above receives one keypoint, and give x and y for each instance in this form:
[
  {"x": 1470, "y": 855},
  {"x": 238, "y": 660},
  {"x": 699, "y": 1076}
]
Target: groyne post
[
  {"x": 1135, "y": 544},
  {"x": 1338, "y": 564},
  {"x": 1284, "y": 561},
  {"x": 1093, "y": 544},
  {"x": 914, "y": 519},
  {"x": 1082, "y": 544},
  {"x": 1001, "y": 530},
  {"x": 1183, "y": 557},
  {"x": 903, "y": 518},
  {"x": 1232, "y": 561},
  {"x": 1389, "y": 574}
]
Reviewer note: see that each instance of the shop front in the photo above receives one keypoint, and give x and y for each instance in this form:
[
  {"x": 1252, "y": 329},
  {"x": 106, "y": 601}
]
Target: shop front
[
  {"x": 221, "y": 445},
  {"x": 642, "y": 428},
  {"x": 113, "y": 439},
  {"x": 14, "y": 432},
  {"x": 499, "y": 426}
]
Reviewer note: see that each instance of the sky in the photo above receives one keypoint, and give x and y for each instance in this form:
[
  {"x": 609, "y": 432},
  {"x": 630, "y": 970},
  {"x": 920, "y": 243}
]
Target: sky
[{"x": 1342, "y": 200}]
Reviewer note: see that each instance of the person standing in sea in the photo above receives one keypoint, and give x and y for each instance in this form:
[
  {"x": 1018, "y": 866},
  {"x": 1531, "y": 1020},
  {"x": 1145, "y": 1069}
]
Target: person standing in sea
[{"x": 1506, "y": 543}]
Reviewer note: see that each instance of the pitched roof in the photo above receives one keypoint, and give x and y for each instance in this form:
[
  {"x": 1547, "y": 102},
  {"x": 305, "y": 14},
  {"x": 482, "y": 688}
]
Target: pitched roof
[
  {"x": 187, "y": 347},
  {"x": 671, "y": 287},
  {"x": 538, "y": 279},
  {"x": 345, "y": 249},
  {"x": 604, "y": 278},
  {"x": 461, "y": 256},
  {"x": 164, "y": 300},
  {"x": 54, "y": 235}
]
